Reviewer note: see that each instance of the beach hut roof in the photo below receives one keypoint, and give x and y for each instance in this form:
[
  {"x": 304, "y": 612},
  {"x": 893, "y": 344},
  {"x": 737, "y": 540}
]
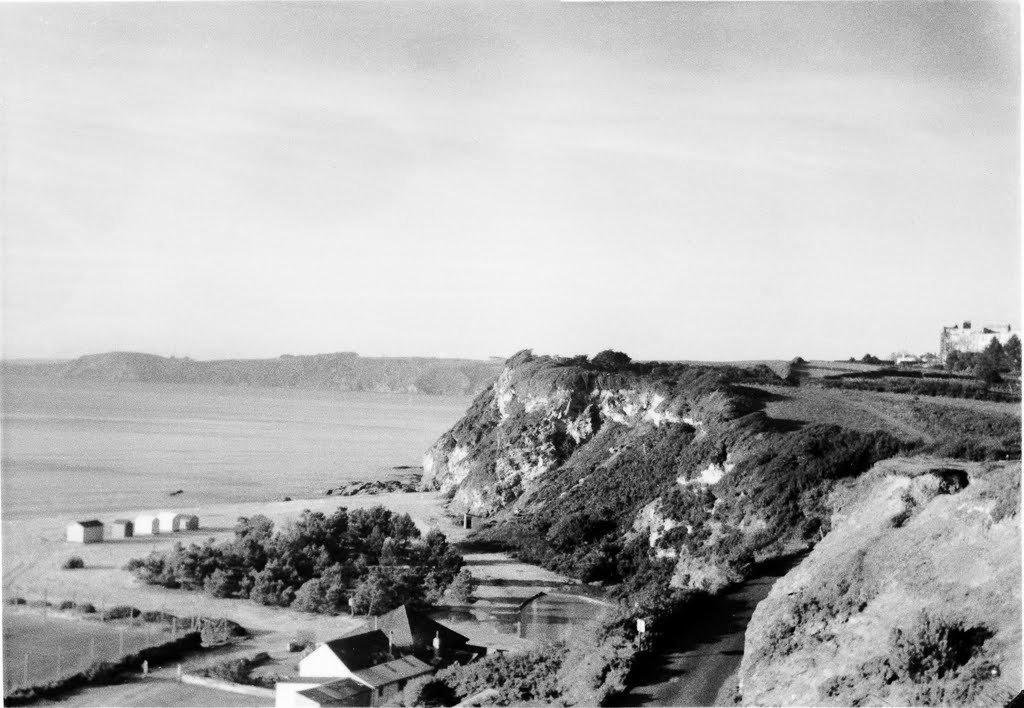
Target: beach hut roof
[
  {"x": 122, "y": 521},
  {"x": 88, "y": 524}
]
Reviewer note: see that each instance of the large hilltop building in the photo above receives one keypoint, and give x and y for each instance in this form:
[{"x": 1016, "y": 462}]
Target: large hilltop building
[{"x": 964, "y": 338}]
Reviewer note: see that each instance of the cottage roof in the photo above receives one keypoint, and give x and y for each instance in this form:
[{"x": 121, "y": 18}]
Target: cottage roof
[
  {"x": 358, "y": 651},
  {"x": 397, "y": 670},
  {"x": 335, "y": 693},
  {"x": 408, "y": 627},
  {"x": 122, "y": 521},
  {"x": 89, "y": 524}
]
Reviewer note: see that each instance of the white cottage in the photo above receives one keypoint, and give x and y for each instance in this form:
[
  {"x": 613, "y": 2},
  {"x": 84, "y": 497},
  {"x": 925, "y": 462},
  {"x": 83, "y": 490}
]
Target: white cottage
[
  {"x": 147, "y": 525},
  {"x": 85, "y": 531}
]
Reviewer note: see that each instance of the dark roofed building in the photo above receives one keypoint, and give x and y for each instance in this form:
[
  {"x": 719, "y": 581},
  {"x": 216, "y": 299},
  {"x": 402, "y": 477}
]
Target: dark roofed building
[
  {"x": 344, "y": 656},
  {"x": 343, "y": 692},
  {"x": 90, "y": 531},
  {"x": 382, "y": 660},
  {"x": 395, "y": 671},
  {"x": 412, "y": 631}
]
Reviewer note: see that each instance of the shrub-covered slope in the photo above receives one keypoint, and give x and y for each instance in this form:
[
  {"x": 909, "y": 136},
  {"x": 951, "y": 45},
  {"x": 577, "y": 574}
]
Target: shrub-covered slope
[
  {"x": 612, "y": 470},
  {"x": 912, "y": 599}
]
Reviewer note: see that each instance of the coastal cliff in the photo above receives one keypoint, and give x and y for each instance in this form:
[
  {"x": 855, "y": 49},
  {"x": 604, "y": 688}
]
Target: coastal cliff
[
  {"x": 912, "y": 599},
  {"x": 602, "y": 467},
  {"x": 669, "y": 483}
]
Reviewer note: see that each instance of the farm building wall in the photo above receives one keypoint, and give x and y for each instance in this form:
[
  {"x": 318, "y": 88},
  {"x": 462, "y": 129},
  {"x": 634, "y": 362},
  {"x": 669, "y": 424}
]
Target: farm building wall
[
  {"x": 77, "y": 533},
  {"x": 323, "y": 662},
  {"x": 147, "y": 525},
  {"x": 122, "y": 529}
]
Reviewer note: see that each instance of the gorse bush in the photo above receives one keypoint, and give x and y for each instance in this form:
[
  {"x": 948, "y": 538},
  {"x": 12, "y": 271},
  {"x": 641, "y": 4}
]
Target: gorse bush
[
  {"x": 935, "y": 647},
  {"x": 518, "y": 678},
  {"x": 374, "y": 556},
  {"x": 74, "y": 563}
]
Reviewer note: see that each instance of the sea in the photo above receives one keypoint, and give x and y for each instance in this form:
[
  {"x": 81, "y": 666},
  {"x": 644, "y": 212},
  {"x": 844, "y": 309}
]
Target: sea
[{"x": 74, "y": 447}]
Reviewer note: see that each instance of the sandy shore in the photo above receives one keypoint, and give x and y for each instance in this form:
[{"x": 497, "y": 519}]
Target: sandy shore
[{"x": 35, "y": 549}]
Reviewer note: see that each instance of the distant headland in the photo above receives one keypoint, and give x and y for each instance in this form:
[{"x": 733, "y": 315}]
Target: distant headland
[{"x": 341, "y": 371}]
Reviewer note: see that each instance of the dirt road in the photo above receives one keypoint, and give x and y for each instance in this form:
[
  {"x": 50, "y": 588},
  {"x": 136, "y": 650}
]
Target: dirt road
[{"x": 707, "y": 650}]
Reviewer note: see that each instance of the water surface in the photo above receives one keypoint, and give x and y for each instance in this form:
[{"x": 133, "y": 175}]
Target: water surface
[{"x": 81, "y": 446}]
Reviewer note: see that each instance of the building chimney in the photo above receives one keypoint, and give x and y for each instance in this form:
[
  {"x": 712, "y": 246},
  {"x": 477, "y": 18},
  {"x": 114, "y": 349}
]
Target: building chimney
[
  {"x": 391, "y": 636},
  {"x": 375, "y": 623},
  {"x": 437, "y": 643}
]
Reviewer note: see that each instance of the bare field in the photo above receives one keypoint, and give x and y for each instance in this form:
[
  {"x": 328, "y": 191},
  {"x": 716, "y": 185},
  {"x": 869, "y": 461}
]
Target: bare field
[{"x": 156, "y": 691}]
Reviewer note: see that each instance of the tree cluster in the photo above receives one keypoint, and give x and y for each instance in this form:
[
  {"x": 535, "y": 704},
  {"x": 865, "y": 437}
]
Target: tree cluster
[
  {"x": 318, "y": 563},
  {"x": 989, "y": 364}
]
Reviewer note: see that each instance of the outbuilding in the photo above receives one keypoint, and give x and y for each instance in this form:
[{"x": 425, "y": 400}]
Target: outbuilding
[
  {"x": 85, "y": 531},
  {"x": 147, "y": 525},
  {"x": 170, "y": 521},
  {"x": 188, "y": 522},
  {"x": 122, "y": 528}
]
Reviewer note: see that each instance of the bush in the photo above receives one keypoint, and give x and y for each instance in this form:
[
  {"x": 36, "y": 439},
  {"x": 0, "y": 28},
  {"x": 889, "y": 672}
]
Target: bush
[
  {"x": 519, "y": 678},
  {"x": 935, "y": 647},
  {"x": 611, "y": 360},
  {"x": 463, "y": 587},
  {"x": 121, "y": 612},
  {"x": 74, "y": 563},
  {"x": 66, "y": 605},
  {"x": 429, "y": 692},
  {"x": 312, "y": 561}
]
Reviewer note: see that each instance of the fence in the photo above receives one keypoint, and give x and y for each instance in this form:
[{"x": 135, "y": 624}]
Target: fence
[{"x": 44, "y": 643}]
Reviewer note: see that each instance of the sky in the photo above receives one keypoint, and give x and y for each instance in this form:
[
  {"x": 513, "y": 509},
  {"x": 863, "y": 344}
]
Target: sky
[{"x": 713, "y": 181}]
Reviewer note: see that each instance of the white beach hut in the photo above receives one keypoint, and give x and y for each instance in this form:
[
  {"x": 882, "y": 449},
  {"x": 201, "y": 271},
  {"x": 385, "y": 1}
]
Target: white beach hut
[
  {"x": 169, "y": 521},
  {"x": 189, "y": 522},
  {"x": 147, "y": 525},
  {"x": 85, "y": 531},
  {"x": 122, "y": 528}
]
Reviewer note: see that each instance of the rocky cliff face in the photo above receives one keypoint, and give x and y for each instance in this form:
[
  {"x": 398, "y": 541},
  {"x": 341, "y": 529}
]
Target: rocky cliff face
[
  {"x": 912, "y": 599},
  {"x": 539, "y": 412},
  {"x": 596, "y": 466}
]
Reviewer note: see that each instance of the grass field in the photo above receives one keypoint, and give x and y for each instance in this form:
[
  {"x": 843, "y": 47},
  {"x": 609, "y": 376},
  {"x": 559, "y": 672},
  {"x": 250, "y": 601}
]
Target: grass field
[
  {"x": 157, "y": 691},
  {"x": 41, "y": 648},
  {"x": 868, "y": 410}
]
